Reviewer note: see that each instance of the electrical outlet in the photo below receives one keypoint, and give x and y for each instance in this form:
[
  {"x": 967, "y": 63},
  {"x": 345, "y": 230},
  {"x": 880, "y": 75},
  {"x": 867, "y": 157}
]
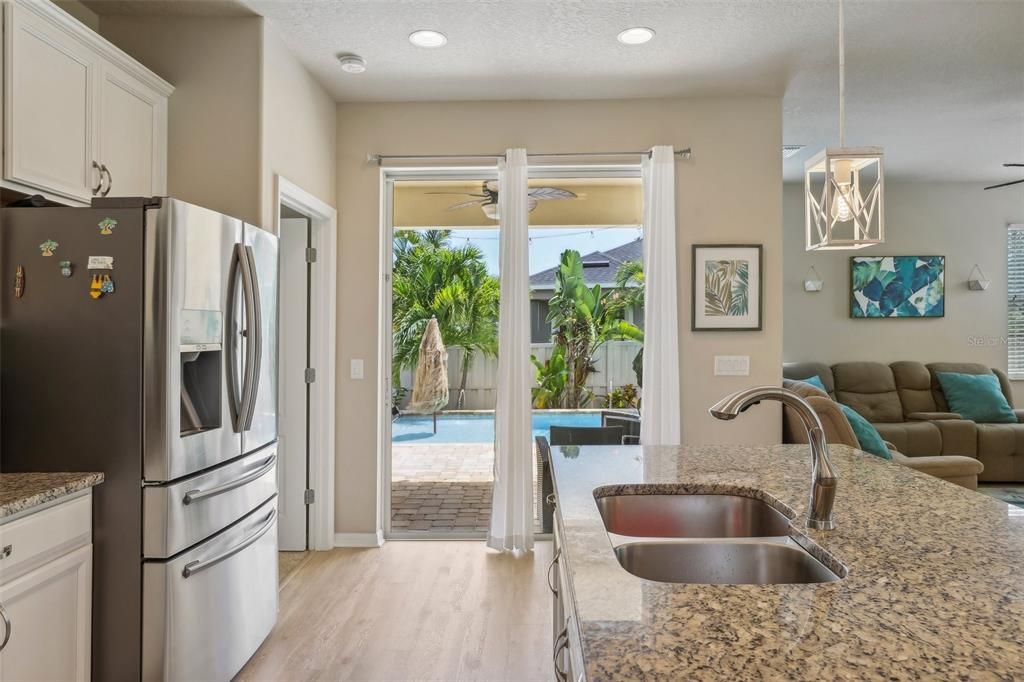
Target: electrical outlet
[
  {"x": 356, "y": 368},
  {"x": 732, "y": 365}
]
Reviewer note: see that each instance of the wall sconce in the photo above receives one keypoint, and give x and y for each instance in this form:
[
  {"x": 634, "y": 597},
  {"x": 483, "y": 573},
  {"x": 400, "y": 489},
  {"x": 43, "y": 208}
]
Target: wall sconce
[
  {"x": 977, "y": 281},
  {"x": 813, "y": 282}
]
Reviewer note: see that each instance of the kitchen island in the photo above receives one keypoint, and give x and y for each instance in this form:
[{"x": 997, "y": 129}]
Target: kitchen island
[{"x": 932, "y": 574}]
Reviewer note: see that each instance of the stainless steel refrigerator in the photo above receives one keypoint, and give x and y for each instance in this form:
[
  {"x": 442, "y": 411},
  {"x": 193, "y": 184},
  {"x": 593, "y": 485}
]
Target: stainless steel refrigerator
[{"x": 139, "y": 339}]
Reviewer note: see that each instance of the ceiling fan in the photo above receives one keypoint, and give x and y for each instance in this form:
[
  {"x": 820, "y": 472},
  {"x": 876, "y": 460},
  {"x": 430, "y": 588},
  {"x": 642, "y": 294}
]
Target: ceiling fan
[
  {"x": 1014, "y": 182},
  {"x": 487, "y": 200}
]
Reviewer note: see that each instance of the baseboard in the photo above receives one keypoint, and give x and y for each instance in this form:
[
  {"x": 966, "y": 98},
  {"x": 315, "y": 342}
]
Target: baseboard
[{"x": 359, "y": 539}]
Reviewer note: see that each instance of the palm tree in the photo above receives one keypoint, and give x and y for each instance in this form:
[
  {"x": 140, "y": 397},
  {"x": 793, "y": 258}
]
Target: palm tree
[{"x": 433, "y": 279}]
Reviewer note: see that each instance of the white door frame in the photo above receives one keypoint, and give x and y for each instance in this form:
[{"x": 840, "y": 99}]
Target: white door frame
[
  {"x": 388, "y": 176},
  {"x": 322, "y": 350}
]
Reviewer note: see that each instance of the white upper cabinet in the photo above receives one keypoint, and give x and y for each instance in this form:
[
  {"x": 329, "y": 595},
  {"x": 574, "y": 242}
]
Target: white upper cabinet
[
  {"x": 49, "y": 103},
  {"x": 81, "y": 118},
  {"x": 132, "y": 135}
]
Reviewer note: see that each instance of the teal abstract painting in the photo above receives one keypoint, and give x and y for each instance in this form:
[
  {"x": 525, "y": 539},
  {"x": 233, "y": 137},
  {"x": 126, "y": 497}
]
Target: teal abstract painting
[{"x": 898, "y": 286}]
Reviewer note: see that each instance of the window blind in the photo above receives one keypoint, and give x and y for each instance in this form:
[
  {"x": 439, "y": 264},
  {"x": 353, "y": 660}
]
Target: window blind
[{"x": 1015, "y": 301}]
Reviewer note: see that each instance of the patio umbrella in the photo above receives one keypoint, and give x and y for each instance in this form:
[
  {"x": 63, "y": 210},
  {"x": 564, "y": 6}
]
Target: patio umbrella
[{"x": 430, "y": 385}]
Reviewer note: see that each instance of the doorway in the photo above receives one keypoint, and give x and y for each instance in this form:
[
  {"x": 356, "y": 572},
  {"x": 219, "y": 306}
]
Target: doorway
[
  {"x": 295, "y": 234},
  {"x": 306, "y": 229},
  {"x": 440, "y": 256}
]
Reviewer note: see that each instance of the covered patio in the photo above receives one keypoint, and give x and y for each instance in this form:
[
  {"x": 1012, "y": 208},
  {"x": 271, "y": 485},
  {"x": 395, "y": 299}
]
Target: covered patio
[{"x": 443, "y": 487}]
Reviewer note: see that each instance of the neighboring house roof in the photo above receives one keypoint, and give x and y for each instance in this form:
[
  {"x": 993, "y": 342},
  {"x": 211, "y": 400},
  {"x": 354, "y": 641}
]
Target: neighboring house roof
[{"x": 599, "y": 267}]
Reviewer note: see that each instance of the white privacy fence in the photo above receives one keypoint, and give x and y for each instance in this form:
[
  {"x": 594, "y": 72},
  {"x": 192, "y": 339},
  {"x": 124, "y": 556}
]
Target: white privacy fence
[{"x": 614, "y": 364}]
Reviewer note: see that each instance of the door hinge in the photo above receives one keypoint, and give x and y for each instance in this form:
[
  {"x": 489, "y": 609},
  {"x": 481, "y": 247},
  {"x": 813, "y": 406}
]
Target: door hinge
[
  {"x": 309, "y": 497},
  {"x": 310, "y": 375},
  {"x": 311, "y": 255}
]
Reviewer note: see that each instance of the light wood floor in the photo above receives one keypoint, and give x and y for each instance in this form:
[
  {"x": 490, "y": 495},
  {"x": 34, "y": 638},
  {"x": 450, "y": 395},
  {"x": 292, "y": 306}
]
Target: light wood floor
[{"x": 412, "y": 611}]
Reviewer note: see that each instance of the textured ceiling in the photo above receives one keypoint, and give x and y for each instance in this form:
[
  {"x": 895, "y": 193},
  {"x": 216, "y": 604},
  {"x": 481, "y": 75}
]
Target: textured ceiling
[{"x": 939, "y": 84}]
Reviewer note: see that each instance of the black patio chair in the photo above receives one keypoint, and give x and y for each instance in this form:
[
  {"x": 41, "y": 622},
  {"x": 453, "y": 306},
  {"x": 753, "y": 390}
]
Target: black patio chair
[
  {"x": 545, "y": 487},
  {"x": 587, "y": 435}
]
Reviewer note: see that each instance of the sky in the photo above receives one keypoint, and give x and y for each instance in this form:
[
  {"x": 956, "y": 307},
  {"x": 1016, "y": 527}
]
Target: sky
[{"x": 547, "y": 245}]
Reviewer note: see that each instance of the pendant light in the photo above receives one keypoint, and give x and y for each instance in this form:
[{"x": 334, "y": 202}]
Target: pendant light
[{"x": 844, "y": 186}]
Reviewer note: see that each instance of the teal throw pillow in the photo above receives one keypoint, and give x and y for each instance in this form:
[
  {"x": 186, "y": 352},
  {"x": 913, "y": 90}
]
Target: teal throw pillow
[
  {"x": 977, "y": 397},
  {"x": 867, "y": 435},
  {"x": 815, "y": 380}
]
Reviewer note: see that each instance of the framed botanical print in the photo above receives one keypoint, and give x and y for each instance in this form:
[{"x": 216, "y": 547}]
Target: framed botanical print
[
  {"x": 727, "y": 286},
  {"x": 897, "y": 286}
]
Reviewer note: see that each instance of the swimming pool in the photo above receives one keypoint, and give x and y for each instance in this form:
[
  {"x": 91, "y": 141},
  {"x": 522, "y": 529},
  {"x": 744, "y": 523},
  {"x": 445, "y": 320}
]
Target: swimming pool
[{"x": 478, "y": 428}]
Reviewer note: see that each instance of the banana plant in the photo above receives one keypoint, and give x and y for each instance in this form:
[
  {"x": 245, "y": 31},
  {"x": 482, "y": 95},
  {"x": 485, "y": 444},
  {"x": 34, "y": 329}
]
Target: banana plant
[
  {"x": 552, "y": 379},
  {"x": 584, "y": 318}
]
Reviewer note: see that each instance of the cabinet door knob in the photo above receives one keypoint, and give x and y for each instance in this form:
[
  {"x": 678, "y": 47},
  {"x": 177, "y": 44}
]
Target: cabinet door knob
[
  {"x": 99, "y": 184},
  {"x": 7, "y": 627},
  {"x": 551, "y": 584},
  {"x": 110, "y": 179}
]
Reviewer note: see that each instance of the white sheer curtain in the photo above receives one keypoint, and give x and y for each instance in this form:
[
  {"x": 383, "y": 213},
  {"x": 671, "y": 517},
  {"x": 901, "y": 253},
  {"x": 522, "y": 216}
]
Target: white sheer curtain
[
  {"x": 512, "y": 503},
  {"x": 660, "y": 406}
]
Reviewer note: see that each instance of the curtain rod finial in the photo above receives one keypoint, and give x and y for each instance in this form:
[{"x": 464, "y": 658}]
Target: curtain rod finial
[
  {"x": 685, "y": 154},
  {"x": 373, "y": 158}
]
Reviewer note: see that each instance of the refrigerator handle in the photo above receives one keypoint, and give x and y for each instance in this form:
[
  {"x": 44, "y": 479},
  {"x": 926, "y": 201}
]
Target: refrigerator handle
[
  {"x": 253, "y": 336},
  {"x": 237, "y": 397}
]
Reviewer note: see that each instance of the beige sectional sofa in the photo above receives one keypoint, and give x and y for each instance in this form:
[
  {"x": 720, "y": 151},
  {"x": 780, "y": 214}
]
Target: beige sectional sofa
[
  {"x": 904, "y": 401},
  {"x": 962, "y": 471}
]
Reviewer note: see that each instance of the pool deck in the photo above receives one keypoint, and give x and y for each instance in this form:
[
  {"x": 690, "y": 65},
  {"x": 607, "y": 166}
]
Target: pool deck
[{"x": 442, "y": 487}]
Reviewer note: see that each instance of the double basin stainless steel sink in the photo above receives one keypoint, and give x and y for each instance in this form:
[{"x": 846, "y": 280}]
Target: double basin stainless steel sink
[{"x": 711, "y": 539}]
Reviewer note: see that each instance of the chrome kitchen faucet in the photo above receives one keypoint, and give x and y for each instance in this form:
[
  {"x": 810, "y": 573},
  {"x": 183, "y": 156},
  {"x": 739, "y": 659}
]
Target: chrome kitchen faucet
[{"x": 823, "y": 476}]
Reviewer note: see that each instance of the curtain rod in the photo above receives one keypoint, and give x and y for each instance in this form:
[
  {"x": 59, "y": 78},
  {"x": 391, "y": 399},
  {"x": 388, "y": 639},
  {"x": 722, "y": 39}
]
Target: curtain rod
[{"x": 380, "y": 158}]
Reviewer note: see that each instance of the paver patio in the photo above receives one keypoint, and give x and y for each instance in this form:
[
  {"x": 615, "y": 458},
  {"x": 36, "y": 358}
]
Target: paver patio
[{"x": 443, "y": 487}]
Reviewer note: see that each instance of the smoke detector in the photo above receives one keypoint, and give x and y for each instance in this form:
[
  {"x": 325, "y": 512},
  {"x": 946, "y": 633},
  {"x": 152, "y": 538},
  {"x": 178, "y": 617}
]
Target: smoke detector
[{"x": 352, "y": 63}]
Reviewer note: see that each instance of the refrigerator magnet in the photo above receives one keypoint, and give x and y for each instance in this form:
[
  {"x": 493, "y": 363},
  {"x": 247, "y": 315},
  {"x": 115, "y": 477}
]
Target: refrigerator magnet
[
  {"x": 96, "y": 287},
  {"x": 101, "y": 262},
  {"x": 19, "y": 282},
  {"x": 107, "y": 285},
  {"x": 48, "y": 247},
  {"x": 107, "y": 226},
  {"x": 65, "y": 268}
]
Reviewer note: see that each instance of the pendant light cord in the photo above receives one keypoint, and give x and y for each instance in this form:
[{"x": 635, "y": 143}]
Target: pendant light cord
[{"x": 842, "y": 78}]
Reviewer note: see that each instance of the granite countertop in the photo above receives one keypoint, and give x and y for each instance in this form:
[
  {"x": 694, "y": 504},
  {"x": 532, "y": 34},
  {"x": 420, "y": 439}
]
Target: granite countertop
[
  {"x": 935, "y": 584},
  {"x": 21, "y": 492}
]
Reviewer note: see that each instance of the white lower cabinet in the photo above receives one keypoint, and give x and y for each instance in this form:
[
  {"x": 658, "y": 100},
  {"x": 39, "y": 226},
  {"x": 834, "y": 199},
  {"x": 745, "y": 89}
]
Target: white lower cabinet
[
  {"x": 46, "y": 594},
  {"x": 48, "y": 615},
  {"x": 565, "y": 645}
]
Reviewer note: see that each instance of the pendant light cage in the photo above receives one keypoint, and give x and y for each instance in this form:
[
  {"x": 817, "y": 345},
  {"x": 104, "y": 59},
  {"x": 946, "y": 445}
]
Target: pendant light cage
[
  {"x": 844, "y": 190},
  {"x": 844, "y": 187}
]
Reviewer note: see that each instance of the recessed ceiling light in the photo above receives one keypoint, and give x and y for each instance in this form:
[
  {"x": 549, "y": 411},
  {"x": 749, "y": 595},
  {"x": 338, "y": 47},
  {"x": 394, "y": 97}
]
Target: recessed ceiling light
[
  {"x": 637, "y": 35},
  {"x": 352, "y": 63},
  {"x": 428, "y": 38}
]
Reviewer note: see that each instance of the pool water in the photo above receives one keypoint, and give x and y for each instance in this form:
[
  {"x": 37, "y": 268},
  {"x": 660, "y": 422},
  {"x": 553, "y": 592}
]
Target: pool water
[{"x": 478, "y": 428}]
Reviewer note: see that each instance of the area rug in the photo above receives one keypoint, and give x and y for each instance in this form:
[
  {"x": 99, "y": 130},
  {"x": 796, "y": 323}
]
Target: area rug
[{"x": 1010, "y": 494}]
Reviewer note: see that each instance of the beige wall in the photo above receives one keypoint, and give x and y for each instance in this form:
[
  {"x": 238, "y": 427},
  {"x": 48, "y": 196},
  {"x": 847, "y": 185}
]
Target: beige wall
[
  {"x": 214, "y": 113},
  {"x": 298, "y": 127},
  {"x": 731, "y": 191},
  {"x": 243, "y": 109},
  {"x": 79, "y": 11},
  {"x": 958, "y": 221}
]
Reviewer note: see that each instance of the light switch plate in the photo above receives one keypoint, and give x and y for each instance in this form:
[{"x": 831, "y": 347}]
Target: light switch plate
[
  {"x": 732, "y": 365},
  {"x": 356, "y": 368}
]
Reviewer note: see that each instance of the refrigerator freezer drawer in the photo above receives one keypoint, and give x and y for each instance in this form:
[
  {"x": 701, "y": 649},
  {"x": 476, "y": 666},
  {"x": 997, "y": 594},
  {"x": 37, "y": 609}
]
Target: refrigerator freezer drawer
[
  {"x": 178, "y": 515},
  {"x": 205, "y": 612}
]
